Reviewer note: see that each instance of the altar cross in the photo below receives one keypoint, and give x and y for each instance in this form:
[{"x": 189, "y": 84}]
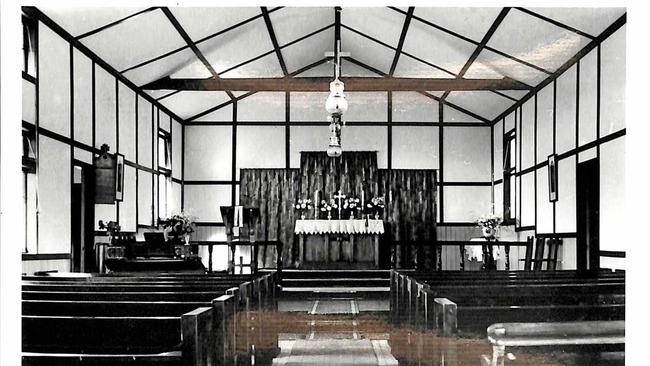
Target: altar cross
[{"x": 339, "y": 197}]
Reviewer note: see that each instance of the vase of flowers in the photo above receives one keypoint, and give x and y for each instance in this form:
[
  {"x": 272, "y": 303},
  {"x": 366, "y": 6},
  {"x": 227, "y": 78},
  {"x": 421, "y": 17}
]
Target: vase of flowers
[
  {"x": 112, "y": 229},
  {"x": 328, "y": 207},
  {"x": 180, "y": 225},
  {"x": 302, "y": 206},
  {"x": 489, "y": 225},
  {"x": 351, "y": 205},
  {"x": 376, "y": 206}
]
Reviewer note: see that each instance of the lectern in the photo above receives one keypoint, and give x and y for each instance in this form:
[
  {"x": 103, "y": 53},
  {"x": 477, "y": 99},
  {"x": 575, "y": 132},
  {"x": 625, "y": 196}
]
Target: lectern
[{"x": 241, "y": 230}]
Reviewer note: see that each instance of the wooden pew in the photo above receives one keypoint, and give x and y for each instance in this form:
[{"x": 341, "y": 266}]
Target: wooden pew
[
  {"x": 108, "y": 301},
  {"x": 557, "y": 334},
  {"x": 413, "y": 298}
]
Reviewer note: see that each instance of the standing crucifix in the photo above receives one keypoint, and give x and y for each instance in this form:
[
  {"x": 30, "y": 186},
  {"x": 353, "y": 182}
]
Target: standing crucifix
[{"x": 339, "y": 197}]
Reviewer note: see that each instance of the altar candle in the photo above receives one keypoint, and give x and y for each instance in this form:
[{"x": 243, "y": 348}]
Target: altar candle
[{"x": 362, "y": 198}]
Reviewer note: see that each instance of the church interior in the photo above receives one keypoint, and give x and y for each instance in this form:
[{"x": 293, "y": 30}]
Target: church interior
[{"x": 322, "y": 185}]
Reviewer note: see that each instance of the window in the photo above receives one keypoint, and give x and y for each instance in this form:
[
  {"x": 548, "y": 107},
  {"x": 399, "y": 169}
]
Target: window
[
  {"x": 509, "y": 163},
  {"x": 165, "y": 173},
  {"x": 29, "y": 46},
  {"x": 29, "y": 187}
]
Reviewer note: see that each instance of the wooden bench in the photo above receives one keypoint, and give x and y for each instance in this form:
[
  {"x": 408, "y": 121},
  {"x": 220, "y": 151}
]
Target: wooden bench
[
  {"x": 413, "y": 292},
  {"x": 108, "y": 320},
  {"x": 502, "y": 335}
]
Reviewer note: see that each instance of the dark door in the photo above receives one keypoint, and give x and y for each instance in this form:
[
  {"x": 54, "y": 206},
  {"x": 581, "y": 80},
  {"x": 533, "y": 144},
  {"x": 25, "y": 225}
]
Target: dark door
[
  {"x": 83, "y": 213},
  {"x": 588, "y": 203}
]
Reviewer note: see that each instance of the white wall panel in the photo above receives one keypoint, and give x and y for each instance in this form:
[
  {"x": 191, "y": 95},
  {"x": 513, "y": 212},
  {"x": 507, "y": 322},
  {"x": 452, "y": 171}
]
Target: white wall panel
[
  {"x": 510, "y": 121},
  {"x": 128, "y": 221},
  {"x": 306, "y": 138},
  {"x": 467, "y": 154},
  {"x": 54, "y": 82},
  {"x": 565, "y": 111},
  {"x": 498, "y": 150},
  {"x": 264, "y": 107},
  {"x": 544, "y": 123},
  {"x": 126, "y": 112},
  {"x": 498, "y": 199},
  {"x": 565, "y": 208},
  {"x": 527, "y": 198},
  {"x": 414, "y": 107},
  {"x": 308, "y": 107},
  {"x": 544, "y": 207},
  {"x": 83, "y": 98},
  {"x": 467, "y": 204},
  {"x": 145, "y": 133},
  {"x": 144, "y": 198},
  {"x": 174, "y": 199},
  {"x": 588, "y": 98},
  {"x": 612, "y": 195},
  {"x": 54, "y": 196},
  {"x": 105, "y": 117},
  {"x": 362, "y": 138},
  {"x": 177, "y": 149},
  {"x": 366, "y": 106},
  {"x": 29, "y": 102},
  {"x": 415, "y": 148},
  {"x": 527, "y": 134},
  {"x": 612, "y": 83},
  {"x": 208, "y": 152},
  {"x": 203, "y": 201},
  {"x": 165, "y": 122},
  {"x": 260, "y": 147}
]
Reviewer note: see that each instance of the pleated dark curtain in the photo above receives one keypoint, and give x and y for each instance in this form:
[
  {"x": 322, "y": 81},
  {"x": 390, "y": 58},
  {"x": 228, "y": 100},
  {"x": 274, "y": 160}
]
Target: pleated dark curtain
[
  {"x": 352, "y": 173},
  {"x": 274, "y": 191},
  {"x": 410, "y": 195},
  {"x": 410, "y": 214}
]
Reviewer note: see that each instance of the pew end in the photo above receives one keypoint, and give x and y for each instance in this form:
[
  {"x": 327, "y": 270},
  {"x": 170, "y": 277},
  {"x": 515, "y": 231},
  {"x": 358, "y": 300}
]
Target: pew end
[
  {"x": 446, "y": 319},
  {"x": 581, "y": 333},
  {"x": 197, "y": 333}
]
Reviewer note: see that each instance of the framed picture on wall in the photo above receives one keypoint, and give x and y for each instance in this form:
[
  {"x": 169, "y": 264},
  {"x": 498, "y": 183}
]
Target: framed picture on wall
[
  {"x": 119, "y": 177},
  {"x": 552, "y": 177}
]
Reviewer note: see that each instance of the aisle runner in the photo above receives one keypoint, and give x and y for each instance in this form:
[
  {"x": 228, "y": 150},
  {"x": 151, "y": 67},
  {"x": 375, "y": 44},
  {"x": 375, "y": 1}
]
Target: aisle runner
[{"x": 335, "y": 352}]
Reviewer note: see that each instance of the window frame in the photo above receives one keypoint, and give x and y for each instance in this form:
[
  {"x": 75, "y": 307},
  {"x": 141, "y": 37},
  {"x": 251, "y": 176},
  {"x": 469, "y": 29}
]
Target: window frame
[{"x": 509, "y": 170}]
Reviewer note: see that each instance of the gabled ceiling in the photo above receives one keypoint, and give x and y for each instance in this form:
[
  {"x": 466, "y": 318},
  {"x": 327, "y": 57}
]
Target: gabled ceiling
[{"x": 523, "y": 44}]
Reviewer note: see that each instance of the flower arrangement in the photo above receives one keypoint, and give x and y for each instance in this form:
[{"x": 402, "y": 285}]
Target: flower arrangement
[
  {"x": 376, "y": 206},
  {"x": 302, "y": 206},
  {"x": 179, "y": 224},
  {"x": 112, "y": 228},
  {"x": 328, "y": 206},
  {"x": 489, "y": 224},
  {"x": 351, "y": 205}
]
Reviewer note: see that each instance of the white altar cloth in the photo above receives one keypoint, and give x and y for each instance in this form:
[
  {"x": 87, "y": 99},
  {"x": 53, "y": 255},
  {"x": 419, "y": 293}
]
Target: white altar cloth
[
  {"x": 476, "y": 251},
  {"x": 375, "y": 227}
]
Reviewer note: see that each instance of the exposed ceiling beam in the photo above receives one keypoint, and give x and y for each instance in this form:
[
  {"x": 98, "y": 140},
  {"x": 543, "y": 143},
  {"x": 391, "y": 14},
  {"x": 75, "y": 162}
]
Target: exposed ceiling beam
[
  {"x": 193, "y": 47},
  {"x": 555, "y": 22},
  {"x": 114, "y": 23},
  {"x": 460, "y": 36},
  {"x": 212, "y": 109},
  {"x": 402, "y": 37},
  {"x": 621, "y": 21},
  {"x": 274, "y": 40},
  {"x": 481, "y": 45},
  {"x": 322, "y": 84}
]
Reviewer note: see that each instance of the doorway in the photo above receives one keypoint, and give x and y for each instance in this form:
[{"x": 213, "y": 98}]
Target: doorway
[
  {"x": 83, "y": 216},
  {"x": 587, "y": 211}
]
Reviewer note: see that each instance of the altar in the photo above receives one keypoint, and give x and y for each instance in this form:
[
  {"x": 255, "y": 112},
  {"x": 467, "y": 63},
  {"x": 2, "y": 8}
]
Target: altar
[{"x": 352, "y": 229}]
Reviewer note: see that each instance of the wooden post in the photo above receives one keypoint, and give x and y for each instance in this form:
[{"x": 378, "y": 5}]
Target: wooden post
[
  {"x": 301, "y": 249},
  {"x": 197, "y": 333},
  {"x": 446, "y": 319},
  {"x": 224, "y": 333}
]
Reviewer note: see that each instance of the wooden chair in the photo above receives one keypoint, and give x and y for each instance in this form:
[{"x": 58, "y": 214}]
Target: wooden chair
[{"x": 536, "y": 263}]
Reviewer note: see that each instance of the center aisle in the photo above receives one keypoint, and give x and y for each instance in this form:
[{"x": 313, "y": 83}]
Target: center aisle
[{"x": 336, "y": 336}]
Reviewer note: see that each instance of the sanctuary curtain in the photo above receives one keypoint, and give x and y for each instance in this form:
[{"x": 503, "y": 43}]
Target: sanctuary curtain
[{"x": 274, "y": 191}]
